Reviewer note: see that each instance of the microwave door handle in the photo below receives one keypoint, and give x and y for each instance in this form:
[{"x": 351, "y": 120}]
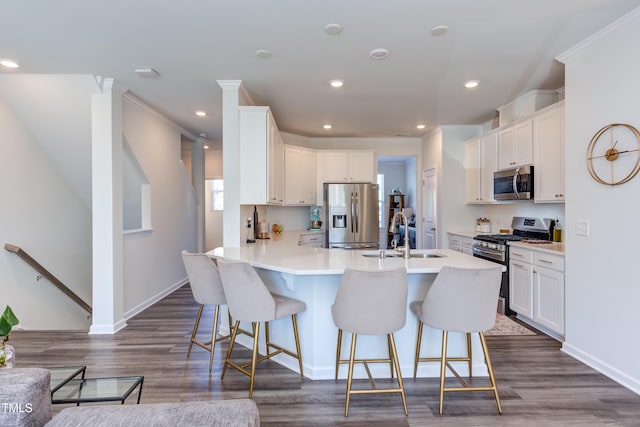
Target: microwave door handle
[{"x": 516, "y": 175}]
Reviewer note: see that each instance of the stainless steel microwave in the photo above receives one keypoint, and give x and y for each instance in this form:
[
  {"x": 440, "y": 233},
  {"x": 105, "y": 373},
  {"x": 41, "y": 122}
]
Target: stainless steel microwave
[{"x": 513, "y": 184}]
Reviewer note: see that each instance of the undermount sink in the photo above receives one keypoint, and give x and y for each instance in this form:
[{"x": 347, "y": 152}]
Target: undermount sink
[{"x": 426, "y": 255}]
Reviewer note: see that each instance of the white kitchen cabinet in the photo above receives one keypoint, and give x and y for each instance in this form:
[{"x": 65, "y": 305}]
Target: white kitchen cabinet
[
  {"x": 455, "y": 242},
  {"x": 521, "y": 281},
  {"x": 312, "y": 239},
  {"x": 481, "y": 161},
  {"x": 344, "y": 166},
  {"x": 260, "y": 151},
  {"x": 548, "y": 288},
  {"x": 536, "y": 286},
  {"x": 299, "y": 176},
  {"x": 548, "y": 155},
  {"x": 349, "y": 166},
  {"x": 459, "y": 243},
  {"x": 515, "y": 145}
]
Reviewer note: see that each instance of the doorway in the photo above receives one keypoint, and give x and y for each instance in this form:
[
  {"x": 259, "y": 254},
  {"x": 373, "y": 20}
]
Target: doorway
[{"x": 429, "y": 211}]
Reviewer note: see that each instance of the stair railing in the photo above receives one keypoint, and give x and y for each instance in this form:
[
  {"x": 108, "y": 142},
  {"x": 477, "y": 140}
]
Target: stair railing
[{"x": 47, "y": 275}]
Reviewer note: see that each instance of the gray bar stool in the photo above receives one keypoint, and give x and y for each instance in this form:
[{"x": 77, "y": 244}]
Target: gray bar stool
[
  {"x": 249, "y": 300},
  {"x": 460, "y": 300},
  {"x": 206, "y": 287},
  {"x": 371, "y": 303}
]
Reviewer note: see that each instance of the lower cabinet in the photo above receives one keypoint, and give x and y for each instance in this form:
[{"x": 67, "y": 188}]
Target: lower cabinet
[
  {"x": 314, "y": 239},
  {"x": 536, "y": 286},
  {"x": 460, "y": 243}
]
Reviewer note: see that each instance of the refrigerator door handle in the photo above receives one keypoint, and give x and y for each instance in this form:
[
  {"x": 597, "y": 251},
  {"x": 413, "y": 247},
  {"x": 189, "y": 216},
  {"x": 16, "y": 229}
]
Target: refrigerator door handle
[
  {"x": 357, "y": 209},
  {"x": 352, "y": 212}
]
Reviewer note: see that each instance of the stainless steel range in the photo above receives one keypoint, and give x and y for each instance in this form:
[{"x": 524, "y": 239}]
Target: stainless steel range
[{"x": 494, "y": 247}]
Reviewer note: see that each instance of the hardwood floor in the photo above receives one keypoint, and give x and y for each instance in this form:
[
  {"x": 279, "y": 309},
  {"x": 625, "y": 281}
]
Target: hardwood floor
[{"x": 538, "y": 384}]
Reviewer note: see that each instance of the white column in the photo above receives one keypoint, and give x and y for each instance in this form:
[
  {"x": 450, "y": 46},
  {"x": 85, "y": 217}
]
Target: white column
[
  {"x": 230, "y": 161},
  {"x": 106, "y": 187},
  {"x": 197, "y": 178}
]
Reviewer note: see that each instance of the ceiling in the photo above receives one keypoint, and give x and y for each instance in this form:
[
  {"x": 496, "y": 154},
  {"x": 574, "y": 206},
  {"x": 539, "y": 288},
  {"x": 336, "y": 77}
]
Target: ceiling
[{"x": 509, "y": 46}]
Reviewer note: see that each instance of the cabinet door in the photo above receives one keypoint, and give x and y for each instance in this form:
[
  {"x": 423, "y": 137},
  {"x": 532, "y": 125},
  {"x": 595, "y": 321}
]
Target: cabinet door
[
  {"x": 549, "y": 298},
  {"x": 506, "y": 148},
  {"x": 521, "y": 288},
  {"x": 548, "y": 143},
  {"x": 307, "y": 176},
  {"x": 336, "y": 166},
  {"x": 275, "y": 167},
  {"x": 292, "y": 183},
  {"x": 361, "y": 166},
  {"x": 472, "y": 180},
  {"x": 488, "y": 166},
  {"x": 523, "y": 143},
  {"x": 467, "y": 245},
  {"x": 255, "y": 125}
]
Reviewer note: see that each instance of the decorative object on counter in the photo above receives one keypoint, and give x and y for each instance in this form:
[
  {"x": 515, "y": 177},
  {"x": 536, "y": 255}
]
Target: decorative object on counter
[
  {"x": 557, "y": 231},
  {"x": 263, "y": 230},
  {"x": 250, "y": 231},
  {"x": 315, "y": 223},
  {"x": 483, "y": 225},
  {"x": 277, "y": 228},
  {"x": 7, "y": 353},
  {"x": 396, "y": 190},
  {"x": 616, "y": 141}
]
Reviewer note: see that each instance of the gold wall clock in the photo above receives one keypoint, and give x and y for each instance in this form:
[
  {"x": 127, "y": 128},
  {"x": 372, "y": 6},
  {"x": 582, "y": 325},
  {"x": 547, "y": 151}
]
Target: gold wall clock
[{"x": 612, "y": 156}]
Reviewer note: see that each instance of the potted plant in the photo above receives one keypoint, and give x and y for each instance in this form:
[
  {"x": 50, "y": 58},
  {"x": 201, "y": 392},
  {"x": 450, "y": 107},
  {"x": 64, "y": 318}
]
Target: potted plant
[{"x": 7, "y": 353}]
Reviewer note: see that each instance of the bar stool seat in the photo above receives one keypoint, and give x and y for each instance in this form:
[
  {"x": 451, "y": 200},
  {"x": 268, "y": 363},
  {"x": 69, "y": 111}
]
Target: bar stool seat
[{"x": 249, "y": 300}]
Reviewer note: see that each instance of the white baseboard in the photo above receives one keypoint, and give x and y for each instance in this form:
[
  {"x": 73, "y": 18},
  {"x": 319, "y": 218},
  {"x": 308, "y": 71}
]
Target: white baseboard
[
  {"x": 616, "y": 375},
  {"x": 154, "y": 299},
  {"x": 107, "y": 329}
]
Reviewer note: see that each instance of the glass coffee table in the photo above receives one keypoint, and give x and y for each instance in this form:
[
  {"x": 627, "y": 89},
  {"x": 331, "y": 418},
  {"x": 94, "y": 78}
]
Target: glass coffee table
[
  {"x": 60, "y": 375},
  {"x": 87, "y": 390}
]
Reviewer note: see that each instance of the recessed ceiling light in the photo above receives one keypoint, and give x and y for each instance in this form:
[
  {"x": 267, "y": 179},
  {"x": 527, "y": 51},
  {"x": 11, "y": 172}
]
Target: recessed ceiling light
[
  {"x": 333, "y": 29},
  {"x": 439, "y": 30},
  {"x": 421, "y": 126},
  {"x": 327, "y": 126},
  {"x": 378, "y": 54},
  {"x": 146, "y": 72},
  {"x": 201, "y": 113},
  {"x": 470, "y": 84},
  {"x": 263, "y": 53},
  {"x": 336, "y": 83},
  {"x": 9, "y": 63}
]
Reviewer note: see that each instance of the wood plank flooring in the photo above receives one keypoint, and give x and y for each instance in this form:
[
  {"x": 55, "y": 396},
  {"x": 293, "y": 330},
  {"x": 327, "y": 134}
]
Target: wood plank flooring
[{"x": 538, "y": 384}]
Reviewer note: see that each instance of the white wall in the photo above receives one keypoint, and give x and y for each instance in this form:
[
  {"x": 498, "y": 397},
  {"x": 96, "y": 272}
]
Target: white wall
[
  {"x": 153, "y": 266},
  {"x": 602, "y": 287},
  {"x": 43, "y": 214}
]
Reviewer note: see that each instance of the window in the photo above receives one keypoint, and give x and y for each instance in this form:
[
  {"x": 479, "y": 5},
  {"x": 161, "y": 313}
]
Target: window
[
  {"x": 380, "y": 181},
  {"x": 217, "y": 194}
]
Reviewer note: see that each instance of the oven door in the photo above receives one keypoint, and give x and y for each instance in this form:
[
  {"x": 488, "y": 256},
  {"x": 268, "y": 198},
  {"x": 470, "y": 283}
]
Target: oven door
[{"x": 503, "y": 300}]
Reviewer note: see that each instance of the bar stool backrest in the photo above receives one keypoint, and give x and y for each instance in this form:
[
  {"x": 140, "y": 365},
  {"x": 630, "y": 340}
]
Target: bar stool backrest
[
  {"x": 247, "y": 296},
  {"x": 371, "y": 302},
  {"x": 463, "y": 300},
  {"x": 204, "y": 278}
]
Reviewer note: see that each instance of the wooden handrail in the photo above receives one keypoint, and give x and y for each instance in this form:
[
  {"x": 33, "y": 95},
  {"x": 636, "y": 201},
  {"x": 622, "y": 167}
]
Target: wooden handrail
[{"x": 50, "y": 277}]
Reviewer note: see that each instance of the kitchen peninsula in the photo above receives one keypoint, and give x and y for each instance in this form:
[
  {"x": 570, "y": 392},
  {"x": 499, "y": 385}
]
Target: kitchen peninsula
[{"x": 313, "y": 275}]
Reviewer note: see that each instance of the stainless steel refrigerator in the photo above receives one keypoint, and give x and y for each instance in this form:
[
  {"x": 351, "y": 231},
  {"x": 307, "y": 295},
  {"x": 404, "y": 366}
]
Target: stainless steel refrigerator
[{"x": 351, "y": 215}]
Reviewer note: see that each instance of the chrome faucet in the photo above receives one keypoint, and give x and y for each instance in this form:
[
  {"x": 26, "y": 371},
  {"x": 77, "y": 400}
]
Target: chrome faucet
[{"x": 392, "y": 229}]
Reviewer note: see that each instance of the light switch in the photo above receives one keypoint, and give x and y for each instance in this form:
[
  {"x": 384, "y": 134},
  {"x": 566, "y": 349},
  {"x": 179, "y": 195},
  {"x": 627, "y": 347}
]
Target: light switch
[{"x": 582, "y": 227}]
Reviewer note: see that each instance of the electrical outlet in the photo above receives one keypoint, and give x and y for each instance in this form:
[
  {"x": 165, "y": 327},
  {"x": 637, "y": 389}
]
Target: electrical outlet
[{"x": 582, "y": 227}]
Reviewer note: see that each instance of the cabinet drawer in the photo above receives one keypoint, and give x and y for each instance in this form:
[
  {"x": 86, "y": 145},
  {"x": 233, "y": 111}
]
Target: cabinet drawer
[
  {"x": 315, "y": 239},
  {"x": 520, "y": 254},
  {"x": 555, "y": 262},
  {"x": 455, "y": 240}
]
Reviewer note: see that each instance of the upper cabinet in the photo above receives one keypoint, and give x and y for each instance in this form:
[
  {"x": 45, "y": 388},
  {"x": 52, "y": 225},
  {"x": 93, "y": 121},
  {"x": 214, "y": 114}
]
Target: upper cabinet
[
  {"x": 344, "y": 166},
  {"x": 260, "y": 151},
  {"x": 515, "y": 146},
  {"x": 299, "y": 176},
  {"x": 481, "y": 160},
  {"x": 548, "y": 156}
]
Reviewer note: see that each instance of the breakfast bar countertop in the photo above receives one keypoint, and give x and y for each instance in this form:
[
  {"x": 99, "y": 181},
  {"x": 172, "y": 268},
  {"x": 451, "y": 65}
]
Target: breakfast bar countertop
[{"x": 282, "y": 253}]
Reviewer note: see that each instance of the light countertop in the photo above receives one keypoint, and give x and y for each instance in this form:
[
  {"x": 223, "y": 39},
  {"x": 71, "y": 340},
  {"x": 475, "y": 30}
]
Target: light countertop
[
  {"x": 282, "y": 253},
  {"x": 551, "y": 247}
]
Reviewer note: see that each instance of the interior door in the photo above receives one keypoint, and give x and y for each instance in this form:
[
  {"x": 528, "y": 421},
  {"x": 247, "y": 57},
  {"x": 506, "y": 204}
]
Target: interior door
[{"x": 429, "y": 212}]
